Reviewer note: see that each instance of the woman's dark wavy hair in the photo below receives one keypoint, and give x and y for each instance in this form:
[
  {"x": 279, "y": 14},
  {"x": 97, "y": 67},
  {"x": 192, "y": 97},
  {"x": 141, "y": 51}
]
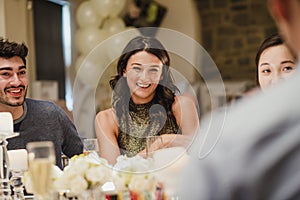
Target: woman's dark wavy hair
[
  {"x": 11, "y": 49},
  {"x": 273, "y": 40},
  {"x": 166, "y": 89}
]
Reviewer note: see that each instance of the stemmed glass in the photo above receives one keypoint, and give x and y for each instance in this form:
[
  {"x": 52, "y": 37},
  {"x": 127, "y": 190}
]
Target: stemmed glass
[
  {"x": 41, "y": 157},
  {"x": 153, "y": 143},
  {"x": 90, "y": 145}
]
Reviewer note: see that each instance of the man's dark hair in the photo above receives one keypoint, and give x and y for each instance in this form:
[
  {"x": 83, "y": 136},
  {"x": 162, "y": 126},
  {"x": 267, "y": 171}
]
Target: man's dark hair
[{"x": 10, "y": 49}]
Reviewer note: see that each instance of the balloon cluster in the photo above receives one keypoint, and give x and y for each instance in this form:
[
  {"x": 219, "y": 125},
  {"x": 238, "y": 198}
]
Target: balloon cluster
[{"x": 98, "y": 20}]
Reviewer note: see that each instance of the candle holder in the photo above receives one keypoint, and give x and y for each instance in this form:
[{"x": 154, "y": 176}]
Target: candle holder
[
  {"x": 17, "y": 184},
  {"x": 4, "y": 172},
  {"x": 6, "y": 131},
  {"x": 18, "y": 164},
  {"x": 5, "y": 192}
]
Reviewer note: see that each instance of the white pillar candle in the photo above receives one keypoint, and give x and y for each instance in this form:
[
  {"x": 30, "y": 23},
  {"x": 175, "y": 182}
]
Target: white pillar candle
[
  {"x": 18, "y": 159},
  {"x": 6, "y": 123}
]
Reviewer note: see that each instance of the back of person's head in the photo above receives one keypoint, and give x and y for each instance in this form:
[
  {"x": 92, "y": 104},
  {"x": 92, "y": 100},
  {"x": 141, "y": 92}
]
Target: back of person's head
[
  {"x": 10, "y": 49},
  {"x": 287, "y": 16}
]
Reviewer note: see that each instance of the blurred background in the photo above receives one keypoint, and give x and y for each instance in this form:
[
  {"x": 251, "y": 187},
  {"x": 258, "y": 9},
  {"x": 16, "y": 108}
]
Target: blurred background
[{"x": 61, "y": 33}]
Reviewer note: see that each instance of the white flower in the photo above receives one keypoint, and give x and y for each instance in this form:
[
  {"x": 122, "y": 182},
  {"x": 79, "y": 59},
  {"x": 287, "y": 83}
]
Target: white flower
[
  {"x": 27, "y": 182},
  {"x": 119, "y": 183},
  {"x": 133, "y": 164},
  {"x": 143, "y": 182},
  {"x": 83, "y": 173},
  {"x": 56, "y": 172},
  {"x": 78, "y": 184},
  {"x": 135, "y": 173},
  {"x": 98, "y": 175}
]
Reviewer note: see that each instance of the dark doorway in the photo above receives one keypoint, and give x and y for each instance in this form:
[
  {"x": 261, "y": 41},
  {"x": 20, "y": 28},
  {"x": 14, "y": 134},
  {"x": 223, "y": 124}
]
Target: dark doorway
[{"x": 49, "y": 43}]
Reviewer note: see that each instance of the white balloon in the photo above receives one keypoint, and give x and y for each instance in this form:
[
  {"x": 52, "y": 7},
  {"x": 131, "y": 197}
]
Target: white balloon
[
  {"x": 78, "y": 62},
  {"x": 131, "y": 32},
  {"x": 91, "y": 68},
  {"x": 117, "y": 7},
  {"x": 86, "y": 39},
  {"x": 103, "y": 7},
  {"x": 114, "y": 25},
  {"x": 117, "y": 43},
  {"x": 86, "y": 15}
]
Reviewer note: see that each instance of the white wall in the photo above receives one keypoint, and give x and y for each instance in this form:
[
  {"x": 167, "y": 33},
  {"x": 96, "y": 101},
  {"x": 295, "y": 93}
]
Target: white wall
[
  {"x": 182, "y": 16},
  {"x": 2, "y": 19},
  {"x": 16, "y": 25},
  {"x": 15, "y": 16}
]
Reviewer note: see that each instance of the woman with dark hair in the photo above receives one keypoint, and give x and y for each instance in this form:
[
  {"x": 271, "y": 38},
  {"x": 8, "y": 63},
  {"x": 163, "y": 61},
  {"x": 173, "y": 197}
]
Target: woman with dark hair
[
  {"x": 274, "y": 60},
  {"x": 144, "y": 103}
]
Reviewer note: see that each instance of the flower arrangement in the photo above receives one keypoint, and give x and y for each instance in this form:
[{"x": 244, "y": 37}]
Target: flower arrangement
[
  {"x": 90, "y": 172},
  {"x": 135, "y": 173},
  {"x": 84, "y": 172},
  {"x": 55, "y": 173}
]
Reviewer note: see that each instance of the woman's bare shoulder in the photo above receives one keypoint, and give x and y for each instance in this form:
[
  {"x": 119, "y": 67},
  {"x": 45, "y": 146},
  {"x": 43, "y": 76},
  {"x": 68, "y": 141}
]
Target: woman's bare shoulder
[
  {"x": 183, "y": 101},
  {"x": 105, "y": 113},
  {"x": 107, "y": 116}
]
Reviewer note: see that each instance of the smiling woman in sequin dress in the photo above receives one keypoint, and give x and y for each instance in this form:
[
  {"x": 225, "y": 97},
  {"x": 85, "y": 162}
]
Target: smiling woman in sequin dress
[{"x": 145, "y": 102}]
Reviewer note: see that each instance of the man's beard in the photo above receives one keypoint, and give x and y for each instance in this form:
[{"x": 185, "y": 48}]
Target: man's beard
[{"x": 5, "y": 101}]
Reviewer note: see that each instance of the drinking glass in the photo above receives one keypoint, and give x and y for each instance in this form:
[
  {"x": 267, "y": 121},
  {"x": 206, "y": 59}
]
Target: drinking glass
[
  {"x": 153, "y": 143},
  {"x": 41, "y": 157},
  {"x": 90, "y": 145}
]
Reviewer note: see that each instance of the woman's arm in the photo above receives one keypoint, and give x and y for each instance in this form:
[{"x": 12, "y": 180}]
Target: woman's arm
[
  {"x": 186, "y": 115},
  {"x": 106, "y": 132}
]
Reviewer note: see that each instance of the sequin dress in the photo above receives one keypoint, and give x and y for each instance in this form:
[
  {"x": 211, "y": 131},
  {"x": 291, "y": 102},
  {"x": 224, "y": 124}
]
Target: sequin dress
[{"x": 138, "y": 124}]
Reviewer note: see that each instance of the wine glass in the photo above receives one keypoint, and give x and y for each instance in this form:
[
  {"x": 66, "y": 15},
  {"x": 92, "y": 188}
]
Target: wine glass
[
  {"x": 153, "y": 143},
  {"x": 41, "y": 157},
  {"x": 90, "y": 145}
]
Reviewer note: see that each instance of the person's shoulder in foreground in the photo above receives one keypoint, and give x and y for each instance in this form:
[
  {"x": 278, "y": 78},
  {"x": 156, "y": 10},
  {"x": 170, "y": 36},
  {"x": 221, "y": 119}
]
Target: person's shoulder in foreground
[
  {"x": 254, "y": 150},
  {"x": 250, "y": 152}
]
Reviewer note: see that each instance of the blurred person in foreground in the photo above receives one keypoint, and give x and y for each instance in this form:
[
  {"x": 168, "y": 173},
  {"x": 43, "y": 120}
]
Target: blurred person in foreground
[
  {"x": 253, "y": 151},
  {"x": 35, "y": 120}
]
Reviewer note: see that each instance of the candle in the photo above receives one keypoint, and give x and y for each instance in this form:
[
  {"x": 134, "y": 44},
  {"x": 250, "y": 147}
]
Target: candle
[
  {"x": 18, "y": 159},
  {"x": 6, "y": 123}
]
